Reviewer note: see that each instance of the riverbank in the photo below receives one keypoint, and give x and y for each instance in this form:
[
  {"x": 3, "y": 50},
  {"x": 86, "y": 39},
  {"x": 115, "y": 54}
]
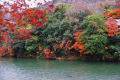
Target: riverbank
[{"x": 70, "y": 58}]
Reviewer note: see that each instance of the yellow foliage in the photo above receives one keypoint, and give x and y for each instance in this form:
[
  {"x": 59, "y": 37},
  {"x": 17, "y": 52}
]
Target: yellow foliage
[
  {"x": 28, "y": 27},
  {"x": 35, "y": 37}
]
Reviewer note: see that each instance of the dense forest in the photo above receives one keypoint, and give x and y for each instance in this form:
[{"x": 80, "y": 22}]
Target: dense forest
[{"x": 52, "y": 33}]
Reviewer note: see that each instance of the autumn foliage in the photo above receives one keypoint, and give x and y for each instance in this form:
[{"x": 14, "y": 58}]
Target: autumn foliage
[
  {"x": 49, "y": 54},
  {"x": 3, "y": 51},
  {"x": 49, "y": 32},
  {"x": 112, "y": 27},
  {"x": 115, "y": 13},
  {"x": 20, "y": 20},
  {"x": 79, "y": 44}
]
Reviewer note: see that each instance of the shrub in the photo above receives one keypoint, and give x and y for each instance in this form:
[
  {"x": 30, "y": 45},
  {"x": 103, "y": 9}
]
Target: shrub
[{"x": 94, "y": 34}]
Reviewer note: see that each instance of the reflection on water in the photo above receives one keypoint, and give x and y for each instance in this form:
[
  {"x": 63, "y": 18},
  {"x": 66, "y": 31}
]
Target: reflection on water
[{"x": 34, "y": 69}]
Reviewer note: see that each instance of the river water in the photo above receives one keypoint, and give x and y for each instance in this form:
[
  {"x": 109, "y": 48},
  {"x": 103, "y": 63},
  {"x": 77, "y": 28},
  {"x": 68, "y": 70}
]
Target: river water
[{"x": 35, "y": 69}]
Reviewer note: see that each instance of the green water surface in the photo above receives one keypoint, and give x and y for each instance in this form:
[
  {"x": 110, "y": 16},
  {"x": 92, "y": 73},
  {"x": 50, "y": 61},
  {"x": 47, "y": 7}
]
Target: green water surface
[{"x": 35, "y": 69}]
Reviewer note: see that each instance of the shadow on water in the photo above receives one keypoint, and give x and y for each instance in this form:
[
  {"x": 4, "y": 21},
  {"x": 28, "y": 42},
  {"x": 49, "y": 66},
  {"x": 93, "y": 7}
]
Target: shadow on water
[{"x": 35, "y": 69}]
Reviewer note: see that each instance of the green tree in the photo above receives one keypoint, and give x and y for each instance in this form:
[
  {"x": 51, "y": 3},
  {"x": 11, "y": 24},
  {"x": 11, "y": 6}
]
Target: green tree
[{"x": 94, "y": 34}]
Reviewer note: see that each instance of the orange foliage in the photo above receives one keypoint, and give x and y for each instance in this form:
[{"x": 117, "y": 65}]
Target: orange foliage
[
  {"x": 112, "y": 27},
  {"x": 47, "y": 51},
  {"x": 2, "y": 51},
  {"x": 48, "y": 54},
  {"x": 79, "y": 45},
  {"x": 113, "y": 13}
]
